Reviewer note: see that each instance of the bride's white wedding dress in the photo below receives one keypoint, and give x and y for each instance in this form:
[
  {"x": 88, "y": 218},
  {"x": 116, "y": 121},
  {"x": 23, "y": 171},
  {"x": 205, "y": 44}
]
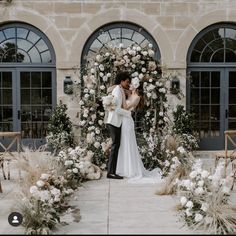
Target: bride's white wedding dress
[{"x": 129, "y": 163}]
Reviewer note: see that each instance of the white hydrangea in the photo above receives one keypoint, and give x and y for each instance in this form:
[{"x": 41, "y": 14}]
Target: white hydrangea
[{"x": 183, "y": 200}]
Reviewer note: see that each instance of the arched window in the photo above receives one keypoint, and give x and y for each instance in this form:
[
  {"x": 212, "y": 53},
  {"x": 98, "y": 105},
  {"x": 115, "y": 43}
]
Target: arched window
[
  {"x": 212, "y": 83},
  {"x": 116, "y": 33},
  {"x": 27, "y": 80}
]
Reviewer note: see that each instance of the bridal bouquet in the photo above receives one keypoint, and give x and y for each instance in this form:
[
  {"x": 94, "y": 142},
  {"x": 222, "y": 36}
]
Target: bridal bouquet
[{"x": 109, "y": 102}]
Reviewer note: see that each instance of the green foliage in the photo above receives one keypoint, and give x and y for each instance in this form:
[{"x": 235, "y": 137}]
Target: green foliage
[
  {"x": 184, "y": 122},
  {"x": 60, "y": 133}
]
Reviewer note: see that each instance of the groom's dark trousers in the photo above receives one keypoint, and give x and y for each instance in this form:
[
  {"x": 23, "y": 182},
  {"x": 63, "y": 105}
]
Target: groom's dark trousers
[{"x": 115, "y": 133}]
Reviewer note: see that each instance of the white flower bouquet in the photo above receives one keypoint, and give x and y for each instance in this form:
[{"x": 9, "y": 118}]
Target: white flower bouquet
[{"x": 109, "y": 102}]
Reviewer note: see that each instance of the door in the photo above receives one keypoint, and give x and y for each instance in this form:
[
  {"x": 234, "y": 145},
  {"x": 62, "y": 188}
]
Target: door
[
  {"x": 27, "y": 97},
  {"x": 205, "y": 91},
  {"x": 8, "y": 117}
]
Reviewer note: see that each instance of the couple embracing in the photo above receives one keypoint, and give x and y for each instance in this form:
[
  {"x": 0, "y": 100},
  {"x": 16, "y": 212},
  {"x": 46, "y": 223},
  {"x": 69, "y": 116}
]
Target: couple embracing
[{"x": 124, "y": 159}]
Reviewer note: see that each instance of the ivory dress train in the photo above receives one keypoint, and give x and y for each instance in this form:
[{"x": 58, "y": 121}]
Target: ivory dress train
[{"x": 129, "y": 163}]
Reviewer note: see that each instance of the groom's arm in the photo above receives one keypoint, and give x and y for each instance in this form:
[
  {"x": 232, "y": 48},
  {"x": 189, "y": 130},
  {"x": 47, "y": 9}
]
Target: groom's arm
[{"x": 119, "y": 110}]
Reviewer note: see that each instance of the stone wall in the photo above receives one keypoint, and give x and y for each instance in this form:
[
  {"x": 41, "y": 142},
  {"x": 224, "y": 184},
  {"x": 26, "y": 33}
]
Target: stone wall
[{"x": 69, "y": 23}]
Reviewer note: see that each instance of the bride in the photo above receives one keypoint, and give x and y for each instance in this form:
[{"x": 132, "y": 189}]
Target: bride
[{"x": 129, "y": 162}]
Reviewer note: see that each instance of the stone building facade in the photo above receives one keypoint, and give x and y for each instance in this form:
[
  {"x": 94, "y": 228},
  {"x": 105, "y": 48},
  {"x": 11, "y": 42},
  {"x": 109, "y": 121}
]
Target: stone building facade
[{"x": 67, "y": 24}]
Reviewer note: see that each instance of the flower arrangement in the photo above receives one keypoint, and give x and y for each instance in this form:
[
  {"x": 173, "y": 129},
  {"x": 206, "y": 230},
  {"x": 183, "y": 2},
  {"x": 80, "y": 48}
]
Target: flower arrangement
[
  {"x": 49, "y": 182},
  {"x": 109, "y": 102},
  {"x": 205, "y": 200}
]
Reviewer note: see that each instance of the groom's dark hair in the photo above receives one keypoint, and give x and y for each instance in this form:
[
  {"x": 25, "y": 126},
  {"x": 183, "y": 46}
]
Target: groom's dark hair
[{"x": 121, "y": 76}]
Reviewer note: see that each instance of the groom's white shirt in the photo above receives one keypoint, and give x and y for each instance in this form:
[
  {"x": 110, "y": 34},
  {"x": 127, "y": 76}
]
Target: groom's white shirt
[{"x": 115, "y": 117}]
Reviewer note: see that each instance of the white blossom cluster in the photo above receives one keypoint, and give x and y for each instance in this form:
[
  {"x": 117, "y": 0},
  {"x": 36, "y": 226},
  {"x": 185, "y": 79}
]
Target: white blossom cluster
[
  {"x": 78, "y": 163},
  {"x": 200, "y": 190}
]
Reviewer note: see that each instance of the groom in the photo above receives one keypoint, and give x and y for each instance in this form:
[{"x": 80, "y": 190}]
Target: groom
[{"x": 114, "y": 121}]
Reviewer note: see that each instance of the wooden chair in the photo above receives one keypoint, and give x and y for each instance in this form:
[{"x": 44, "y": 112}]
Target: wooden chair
[{"x": 229, "y": 156}]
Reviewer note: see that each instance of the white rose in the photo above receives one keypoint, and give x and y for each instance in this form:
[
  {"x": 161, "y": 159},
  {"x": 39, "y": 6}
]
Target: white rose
[
  {"x": 143, "y": 70},
  {"x": 198, "y": 217},
  {"x": 100, "y": 122},
  {"x": 150, "y": 45},
  {"x": 101, "y": 74},
  {"x": 107, "y": 54},
  {"x": 108, "y": 75},
  {"x": 33, "y": 189},
  {"x": 200, "y": 183},
  {"x": 40, "y": 183},
  {"x": 183, "y": 201},
  {"x": 104, "y": 78},
  {"x": 204, "y": 206},
  {"x": 92, "y": 71},
  {"x": 102, "y": 87},
  {"x": 189, "y": 204},
  {"x": 188, "y": 212},
  {"x": 199, "y": 191},
  {"x": 161, "y": 113},
  {"x": 75, "y": 170},
  {"x": 96, "y": 144},
  {"x": 138, "y": 48},
  {"x": 204, "y": 174},
  {"x": 193, "y": 174},
  {"x": 44, "y": 176}
]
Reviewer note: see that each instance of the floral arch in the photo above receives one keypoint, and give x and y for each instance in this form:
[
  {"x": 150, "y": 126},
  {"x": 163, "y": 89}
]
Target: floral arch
[{"x": 99, "y": 75}]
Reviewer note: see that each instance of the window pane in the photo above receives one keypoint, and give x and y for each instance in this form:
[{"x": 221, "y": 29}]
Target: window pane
[
  {"x": 41, "y": 45},
  {"x": 205, "y": 113},
  {"x": 34, "y": 55},
  {"x": 232, "y": 96},
  {"x": 2, "y": 37},
  {"x": 10, "y": 33},
  {"x": 47, "y": 96},
  {"x": 23, "y": 44},
  {"x": 36, "y": 79},
  {"x": 46, "y": 79},
  {"x": 25, "y": 96},
  {"x": 138, "y": 38},
  {"x": 96, "y": 46},
  {"x": 194, "y": 96},
  {"x": 22, "y": 56},
  {"x": 215, "y": 96},
  {"x": 46, "y": 112},
  {"x": 194, "y": 79},
  {"x": 32, "y": 37},
  {"x": 26, "y": 130},
  {"x": 218, "y": 56},
  {"x": 195, "y": 56},
  {"x": 7, "y": 96},
  {"x": 232, "y": 112},
  {"x": 205, "y": 79},
  {"x": 230, "y": 56},
  {"x": 46, "y": 57},
  {"x": 22, "y": 33},
  {"x": 232, "y": 79},
  {"x": 205, "y": 96},
  {"x": 36, "y": 96},
  {"x": 25, "y": 113},
  {"x": 205, "y": 126},
  {"x": 206, "y": 54},
  {"x": 7, "y": 113},
  {"x": 36, "y": 113},
  {"x": 25, "y": 79},
  {"x": 215, "y": 113},
  {"x": 127, "y": 33},
  {"x": 200, "y": 45},
  {"x": 6, "y": 79},
  {"x": 215, "y": 79},
  {"x": 115, "y": 33},
  {"x": 215, "y": 129},
  {"x": 104, "y": 37}
]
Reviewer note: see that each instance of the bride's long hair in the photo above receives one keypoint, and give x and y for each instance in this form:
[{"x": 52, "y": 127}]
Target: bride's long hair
[{"x": 140, "y": 93}]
